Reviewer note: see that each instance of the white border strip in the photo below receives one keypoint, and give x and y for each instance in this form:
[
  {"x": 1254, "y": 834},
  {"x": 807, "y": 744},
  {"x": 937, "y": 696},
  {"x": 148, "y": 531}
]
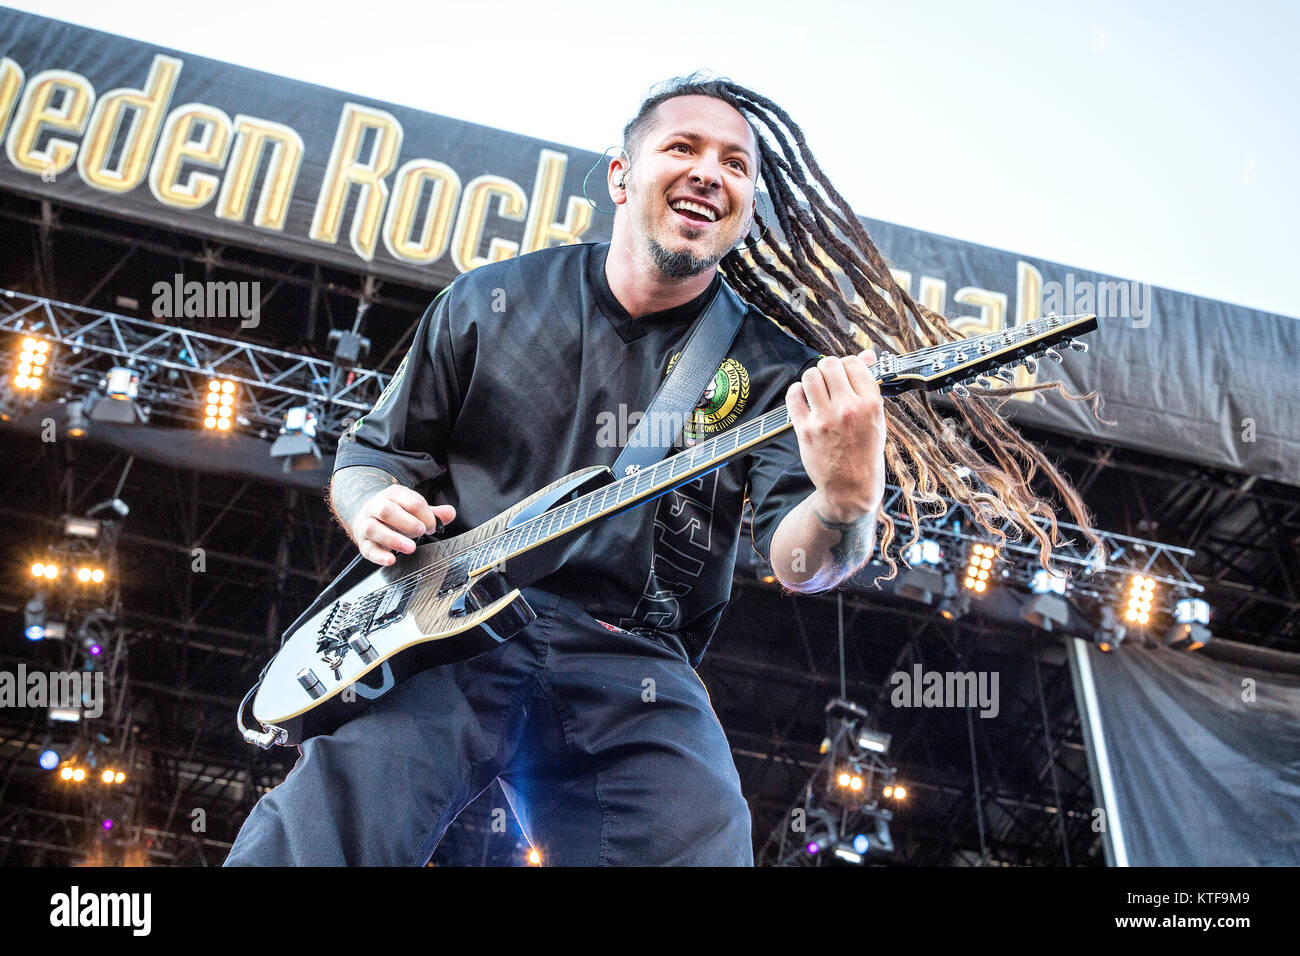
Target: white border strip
[{"x": 1079, "y": 651}]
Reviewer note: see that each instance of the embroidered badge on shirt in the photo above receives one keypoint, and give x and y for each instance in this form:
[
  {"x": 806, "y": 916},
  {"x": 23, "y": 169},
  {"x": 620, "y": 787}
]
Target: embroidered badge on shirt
[{"x": 723, "y": 401}]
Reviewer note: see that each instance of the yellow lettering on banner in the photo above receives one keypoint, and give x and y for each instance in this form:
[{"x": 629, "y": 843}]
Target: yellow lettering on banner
[
  {"x": 933, "y": 294},
  {"x": 346, "y": 169},
  {"x": 542, "y": 227},
  {"x": 992, "y": 317},
  {"x": 511, "y": 203},
  {"x": 11, "y": 81},
  {"x": 1029, "y": 293},
  {"x": 147, "y": 107},
  {"x": 1029, "y": 306},
  {"x": 992, "y": 306},
  {"x": 35, "y": 113},
  {"x": 435, "y": 232},
  {"x": 252, "y": 137},
  {"x": 176, "y": 147}
]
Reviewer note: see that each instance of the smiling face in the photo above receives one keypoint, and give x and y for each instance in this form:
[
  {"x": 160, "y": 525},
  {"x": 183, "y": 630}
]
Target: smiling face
[{"x": 689, "y": 194}]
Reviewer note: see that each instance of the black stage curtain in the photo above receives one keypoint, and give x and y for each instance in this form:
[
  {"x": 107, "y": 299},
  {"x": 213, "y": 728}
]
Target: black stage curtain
[{"x": 1204, "y": 756}]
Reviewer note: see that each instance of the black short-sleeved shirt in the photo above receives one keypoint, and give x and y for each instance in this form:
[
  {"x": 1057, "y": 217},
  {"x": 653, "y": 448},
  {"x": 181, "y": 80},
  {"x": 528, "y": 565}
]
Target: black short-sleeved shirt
[{"x": 526, "y": 370}]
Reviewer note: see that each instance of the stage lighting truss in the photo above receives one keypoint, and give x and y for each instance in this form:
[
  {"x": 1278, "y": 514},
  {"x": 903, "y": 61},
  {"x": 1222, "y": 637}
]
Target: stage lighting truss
[
  {"x": 844, "y": 813},
  {"x": 174, "y": 366}
]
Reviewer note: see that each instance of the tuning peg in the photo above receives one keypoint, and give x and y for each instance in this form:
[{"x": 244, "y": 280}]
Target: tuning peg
[
  {"x": 1077, "y": 345},
  {"x": 1054, "y": 355},
  {"x": 1030, "y": 365},
  {"x": 961, "y": 391},
  {"x": 983, "y": 382}
]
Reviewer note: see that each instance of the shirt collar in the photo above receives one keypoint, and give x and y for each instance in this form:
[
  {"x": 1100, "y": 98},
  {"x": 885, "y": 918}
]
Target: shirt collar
[{"x": 628, "y": 328}]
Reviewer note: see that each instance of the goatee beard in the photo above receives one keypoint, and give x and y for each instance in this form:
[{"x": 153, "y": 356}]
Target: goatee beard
[{"x": 679, "y": 265}]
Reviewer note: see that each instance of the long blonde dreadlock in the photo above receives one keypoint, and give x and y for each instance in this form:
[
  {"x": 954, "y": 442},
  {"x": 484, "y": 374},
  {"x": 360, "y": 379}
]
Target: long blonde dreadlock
[{"x": 924, "y": 451}]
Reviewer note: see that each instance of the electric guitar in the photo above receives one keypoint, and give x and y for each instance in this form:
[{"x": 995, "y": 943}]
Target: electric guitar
[{"x": 449, "y": 601}]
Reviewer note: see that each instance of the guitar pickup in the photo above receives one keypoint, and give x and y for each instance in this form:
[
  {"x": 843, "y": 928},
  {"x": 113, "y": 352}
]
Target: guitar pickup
[{"x": 392, "y": 607}]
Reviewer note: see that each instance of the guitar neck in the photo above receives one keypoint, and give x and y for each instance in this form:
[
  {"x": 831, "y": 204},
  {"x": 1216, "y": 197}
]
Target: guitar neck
[{"x": 628, "y": 492}]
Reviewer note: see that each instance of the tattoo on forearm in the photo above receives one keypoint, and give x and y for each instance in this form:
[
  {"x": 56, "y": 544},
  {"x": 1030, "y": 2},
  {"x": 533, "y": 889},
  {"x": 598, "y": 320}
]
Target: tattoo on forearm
[
  {"x": 854, "y": 546},
  {"x": 352, "y": 487}
]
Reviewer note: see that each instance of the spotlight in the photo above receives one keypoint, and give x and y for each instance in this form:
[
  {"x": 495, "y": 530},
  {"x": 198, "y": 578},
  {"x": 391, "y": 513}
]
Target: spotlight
[
  {"x": 119, "y": 777},
  {"x": 219, "y": 413},
  {"x": 924, "y": 551},
  {"x": 33, "y": 361},
  {"x": 1047, "y": 607},
  {"x": 78, "y": 775},
  {"x": 49, "y": 759},
  {"x": 861, "y": 844},
  {"x": 1140, "y": 596},
  {"x": 74, "y": 527},
  {"x": 65, "y": 773},
  {"x": 1190, "y": 631},
  {"x": 534, "y": 858},
  {"x": 106, "y": 776},
  {"x": 349, "y": 348},
  {"x": 297, "y": 441},
  {"x": 119, "y": 406},
  {"x": 846, "y": 852},
  {"x": 956, "y": 600},
  {"x": 979, "y": 568},
  {"x": 75, "y": 420},
  {"x": 1110, "y": 634},
  {"x": 874, "y": 740},
  {"x": 34, "y": 618}
]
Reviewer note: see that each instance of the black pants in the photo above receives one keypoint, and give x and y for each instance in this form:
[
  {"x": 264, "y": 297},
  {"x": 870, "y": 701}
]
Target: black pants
[{"x": 605, "y": 743}]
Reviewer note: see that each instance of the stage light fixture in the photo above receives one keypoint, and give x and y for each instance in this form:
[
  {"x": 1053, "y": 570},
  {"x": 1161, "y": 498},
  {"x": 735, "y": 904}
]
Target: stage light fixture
[
  {"x": 33, "y": 362},
  {"x": 219, "y": 412},
  {"x": 65, "y": 774},
  {"x": 1140, "y": 597},
  {"x": 874, "y": 741},
  {"x": 78, "y": 775},
  {"x": 106, "y": 776},
  {"x": 297, "y": 441},
  {"x": 979, "y": 567},
  {"x": 118, "y": 406},
  {"x": 846, "y": 852},
  {"x": 75, "y": 527},
  {"x": 1047, "y": 607},
  {"x": 924, "y": 551},
  {"x": 34, "y": 618},
  {"x": 74, "y": 419},
  {"x": 49, "y": 759},
  {"x": 1190, "y": 630},
  {"x": 534, "y": 857}
]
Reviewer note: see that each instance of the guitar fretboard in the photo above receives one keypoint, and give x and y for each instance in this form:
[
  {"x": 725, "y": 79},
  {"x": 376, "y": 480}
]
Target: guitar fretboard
[{"x": 663, "y": 476}]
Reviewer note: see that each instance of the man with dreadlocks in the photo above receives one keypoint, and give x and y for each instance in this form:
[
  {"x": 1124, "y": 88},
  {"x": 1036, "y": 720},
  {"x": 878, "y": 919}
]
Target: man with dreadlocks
[{"x": 592, "y": 717}]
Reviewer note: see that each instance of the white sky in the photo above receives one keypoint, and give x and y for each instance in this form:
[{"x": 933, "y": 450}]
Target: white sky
[{"x": 1159, "y": 144}]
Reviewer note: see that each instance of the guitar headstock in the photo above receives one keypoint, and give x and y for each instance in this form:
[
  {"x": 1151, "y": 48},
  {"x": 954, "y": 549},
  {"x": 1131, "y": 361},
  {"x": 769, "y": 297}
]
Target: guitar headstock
[{"x": 957, "y": 364}]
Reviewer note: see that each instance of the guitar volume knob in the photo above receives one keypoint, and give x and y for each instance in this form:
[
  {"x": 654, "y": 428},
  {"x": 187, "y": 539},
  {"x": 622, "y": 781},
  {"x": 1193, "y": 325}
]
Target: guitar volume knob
[{"x": 311, "y": 683}]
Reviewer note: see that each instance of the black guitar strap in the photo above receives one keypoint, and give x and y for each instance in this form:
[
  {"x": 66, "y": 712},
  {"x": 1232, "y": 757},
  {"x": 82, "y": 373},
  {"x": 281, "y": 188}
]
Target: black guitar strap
[{"x": 706, "y": 347}]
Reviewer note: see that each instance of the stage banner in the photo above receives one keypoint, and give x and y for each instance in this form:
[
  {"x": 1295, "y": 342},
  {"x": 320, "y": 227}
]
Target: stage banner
[{"x": 134, "y": 131}]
